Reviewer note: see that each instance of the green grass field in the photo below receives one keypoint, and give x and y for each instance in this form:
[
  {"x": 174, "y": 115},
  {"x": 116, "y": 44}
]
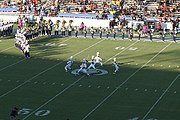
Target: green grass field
[{"x": 145, "y": 88}]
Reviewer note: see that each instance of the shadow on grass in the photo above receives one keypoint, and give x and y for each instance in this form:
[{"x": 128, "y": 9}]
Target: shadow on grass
[{"x": 145, "y": 78}]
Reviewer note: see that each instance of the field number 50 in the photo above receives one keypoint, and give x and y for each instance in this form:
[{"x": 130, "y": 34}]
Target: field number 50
[{"x": 25, "y": 111}]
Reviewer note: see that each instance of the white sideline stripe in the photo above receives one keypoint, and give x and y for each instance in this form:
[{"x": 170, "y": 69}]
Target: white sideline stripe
[
  {"x": 123, "y": 83},
  {"x": 6, "y": 49},
  {"x": 162, "y": 95},
  {"x": 44, "y": 71},
  {"x": 71, "y": 85},
  {"x": 25, "y": 58},
  {"x": 19, "y": 61}
]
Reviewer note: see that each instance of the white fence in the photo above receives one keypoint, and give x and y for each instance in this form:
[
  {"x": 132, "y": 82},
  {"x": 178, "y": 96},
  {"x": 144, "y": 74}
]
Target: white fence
[{"x": 76, "y": 21}]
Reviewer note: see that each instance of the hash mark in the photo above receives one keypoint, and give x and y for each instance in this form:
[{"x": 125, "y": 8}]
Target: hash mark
[{"x": 62, "y": 84}]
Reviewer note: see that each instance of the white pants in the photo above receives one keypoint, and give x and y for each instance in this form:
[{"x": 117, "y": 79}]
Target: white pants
[
  {"x": 99, "y": 63},
  {"x": 83, "y": 70},
  {"x": 116, "y": 69},
  {"x": 91, "y": 66},
  {"x": 67, "y": 67}
]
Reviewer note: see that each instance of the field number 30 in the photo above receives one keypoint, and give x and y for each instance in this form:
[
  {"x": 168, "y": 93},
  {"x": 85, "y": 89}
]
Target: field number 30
[{"x": 25, "y": 111}]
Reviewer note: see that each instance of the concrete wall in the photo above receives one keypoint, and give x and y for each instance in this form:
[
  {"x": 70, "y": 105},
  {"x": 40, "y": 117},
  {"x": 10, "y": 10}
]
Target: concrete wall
[{"x": 77, "y": 21}]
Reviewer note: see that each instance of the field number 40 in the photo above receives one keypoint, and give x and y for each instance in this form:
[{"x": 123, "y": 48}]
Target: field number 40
[{"x": 25, "y": 111}]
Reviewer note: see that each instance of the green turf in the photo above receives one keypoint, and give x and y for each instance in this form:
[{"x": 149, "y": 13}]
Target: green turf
[{"x": 40, "y": 83}]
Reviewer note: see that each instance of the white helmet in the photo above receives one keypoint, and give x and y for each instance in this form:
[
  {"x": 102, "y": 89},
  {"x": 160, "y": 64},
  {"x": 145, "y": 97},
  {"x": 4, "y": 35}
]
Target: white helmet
[
  {"x": 114, "y": 59},
  {"x": 84, "y": 60},
  {"x": 71, "y": 57},
  {"x": 97, "y": 53}
]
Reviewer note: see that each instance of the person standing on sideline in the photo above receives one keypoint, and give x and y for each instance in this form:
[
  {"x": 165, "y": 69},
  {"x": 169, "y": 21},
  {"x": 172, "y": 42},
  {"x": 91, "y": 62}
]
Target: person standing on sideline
[
  {"x": 85, "y": 32},
  {"x": 76, "y": 32},
  {"x": 139, "y": 34},
  {"x": 92, "y": 32},
  {"x": 123, "y": 34},
  {"x": 63, "y": 29},
  {"x": 81, "y": 27},
  {"x": 174, "y": 36},
  {"x": 114, "y": 34},
  {"x": 56, "y": 29},
  {"x": 107, "y": 32},
  {"x": 69, "y": 30},
  {"x": 131, "y": 34},
  {"x": 150, "y": 36},
  {"x": 100, "y": 32},
  {"x": 163, "y": 36}
]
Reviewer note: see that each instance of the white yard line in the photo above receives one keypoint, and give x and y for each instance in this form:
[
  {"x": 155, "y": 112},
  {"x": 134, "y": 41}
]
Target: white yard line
[
  {"x": 1, "y": 96},
  {"x": 98, "y": 105},
  {"x": 72, "y": 85},
  {"x": 25, "y": 58},
  {"x": 162, "y": 95},
  {"x": 6, "y": 49}
]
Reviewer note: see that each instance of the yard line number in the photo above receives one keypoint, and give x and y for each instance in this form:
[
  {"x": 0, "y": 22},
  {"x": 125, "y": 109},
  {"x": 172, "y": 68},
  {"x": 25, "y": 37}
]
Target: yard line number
[{"x": 40, "y": 113}]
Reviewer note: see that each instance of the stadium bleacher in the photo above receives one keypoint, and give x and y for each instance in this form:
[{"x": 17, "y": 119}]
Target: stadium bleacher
[{"x": 91, "y": 16}]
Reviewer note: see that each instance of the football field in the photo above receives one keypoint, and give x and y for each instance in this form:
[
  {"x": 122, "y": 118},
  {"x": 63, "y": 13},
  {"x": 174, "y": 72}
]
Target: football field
[{"x": 145, "y": 88}]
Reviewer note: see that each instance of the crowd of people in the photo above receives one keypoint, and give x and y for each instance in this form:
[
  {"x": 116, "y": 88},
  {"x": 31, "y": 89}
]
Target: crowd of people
[
  {"x": 22, "y": 42},
  {"x": 163, "y": 8},
  {"x": 5, "y": 29},
  {"x": 47, "y": 27}
]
